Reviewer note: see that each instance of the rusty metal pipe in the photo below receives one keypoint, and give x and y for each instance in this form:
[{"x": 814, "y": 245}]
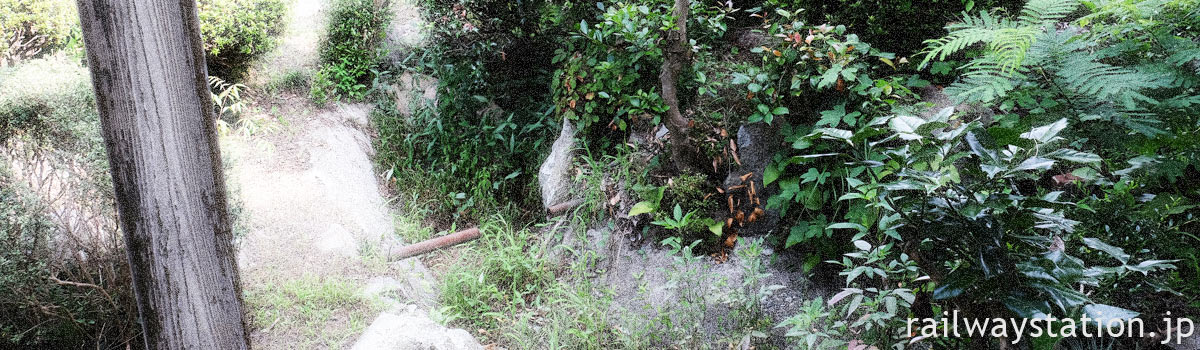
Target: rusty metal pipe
[
  {"x": 561, "y": 208},
  {"x": 434, "y": 244}
]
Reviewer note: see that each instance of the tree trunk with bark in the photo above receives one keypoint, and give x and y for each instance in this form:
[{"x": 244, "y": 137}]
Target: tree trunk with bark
[
  {"x": 676, "y": 54},
  {"x": 148, "y": 72}
]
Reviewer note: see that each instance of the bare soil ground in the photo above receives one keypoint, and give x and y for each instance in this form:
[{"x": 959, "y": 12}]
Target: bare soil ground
[{"x": 317, "y": 225}]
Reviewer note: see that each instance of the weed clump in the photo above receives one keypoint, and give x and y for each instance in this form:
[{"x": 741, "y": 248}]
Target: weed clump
[
  {"x": 351, "y": 49},
  {"x": 503, "y": 272},
  {"x": 235, "y": 32}
]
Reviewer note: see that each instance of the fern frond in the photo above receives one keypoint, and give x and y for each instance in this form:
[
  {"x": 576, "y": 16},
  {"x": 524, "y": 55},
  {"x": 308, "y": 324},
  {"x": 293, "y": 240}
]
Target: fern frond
[
  {"x": 1184, "y": 56},
  {"x": 1046, "y": 11},
  {"x": 971, "y": 31},
  {"x": 984, "y": 80},
  {"x": 1105, "y": 82},
  {"x": 1009, "y": 46}
]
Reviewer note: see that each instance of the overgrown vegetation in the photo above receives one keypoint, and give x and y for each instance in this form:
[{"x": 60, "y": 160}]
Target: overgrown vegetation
[
  {"x": 235, "y": 32},
  {"x": 986, "y": 210},
  {"x": 1048, "y": 177},
  {"x": 875, "y": 21},
  {"x": 65, "y": 274},
  {"x": 350, "y": 51},
  {"x": 65, "y": 278},
  {"x": 34, "y": 27},
  {"x": 996, "y": 158}
]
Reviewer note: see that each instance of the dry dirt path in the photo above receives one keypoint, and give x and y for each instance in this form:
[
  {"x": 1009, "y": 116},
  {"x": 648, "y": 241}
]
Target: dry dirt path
[{"x": 316, "y": 222}]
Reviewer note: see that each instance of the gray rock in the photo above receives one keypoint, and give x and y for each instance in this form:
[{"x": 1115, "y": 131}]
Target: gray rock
[
  {"x": 406, "y": 30},
  {"x": 756, "y": 143},
  {"x": 554, "y": 176},
  {"x": 385, "y": 290},
  {"x": 418, "y": 288},
  {"x": 413, "y": 330},
  {"x": 1188, "y": 343},
  {"x": 964, "y": 112}
]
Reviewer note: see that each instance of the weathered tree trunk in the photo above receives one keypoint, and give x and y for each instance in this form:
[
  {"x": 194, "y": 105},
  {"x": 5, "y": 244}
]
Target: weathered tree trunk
[
  {"x": 678, "y": 51},
  {"x": 157, "y": 119}
]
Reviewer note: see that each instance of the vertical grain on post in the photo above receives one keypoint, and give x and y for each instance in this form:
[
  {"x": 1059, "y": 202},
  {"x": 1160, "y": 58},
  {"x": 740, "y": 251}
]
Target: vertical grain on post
[{"x": 149, "y": 75}]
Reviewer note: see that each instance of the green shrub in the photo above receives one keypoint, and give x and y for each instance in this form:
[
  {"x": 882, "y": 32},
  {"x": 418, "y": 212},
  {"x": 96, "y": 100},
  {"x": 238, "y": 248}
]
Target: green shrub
[
  {"x": 481, "y": 160},
  {"x": 48, "y": 117},
  {"x": 1130, "y": 102},
  {"x": 1067, "y": 202},
  {"x": 32, "y": 27},
  {"x": 235, "y": 32},
  {"x": 488, "y": 129},
  {"x": 56, "y": 301},
  {"x": 50, "y": 100},
  {"x": 351, "y": 51}
]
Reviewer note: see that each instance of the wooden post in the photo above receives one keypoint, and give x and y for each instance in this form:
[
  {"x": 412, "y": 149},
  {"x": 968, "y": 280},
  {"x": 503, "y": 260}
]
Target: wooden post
[{"x": 157, "y": 118}]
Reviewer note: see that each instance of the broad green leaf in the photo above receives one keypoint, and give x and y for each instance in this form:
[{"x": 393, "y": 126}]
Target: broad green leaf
[
  {"x": 716, "y": 227},
  {"x": 832, "y": 117},
  {"x": 797, "y": 234},
  {"x": 906, "y": 126},
  {"x": 1112, "y": 251},
  {"x": 771, "y": 173},
  {"x": 642, "y": 208},
  {"x": 928, "y": 128},
  {"x": 829, "y": 77},
  {"x": 843, "y": 294},
  {"x": 1071, "y": 155},
  {"x": 837, "y": 134},
  {"x": 943, "y": 115},
  {"x": 739, "y": 78},
  {"x": 1148, "y": 266},
  {"x": 1036, "y": 163},
  {"x": 848, "y": 225},
  {"x": 1047, "y": 133},
  {"x": 1102, "y": 314},
  {"x": 1027, "y": 308}
]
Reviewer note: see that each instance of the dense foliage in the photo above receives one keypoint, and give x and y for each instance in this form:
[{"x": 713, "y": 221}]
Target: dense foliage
[
  {"x": 876, "y": 20},
  {"x": 50, "y": 100},
  {"x": 235, "y": 32},
  {"x": 1011, "y": 212},
  {"x": 32, "y": 27},
  {"x": 64, "y": 274},
  {"x": 350, "y": 50},
  {"x": 1049, "y": 176}
]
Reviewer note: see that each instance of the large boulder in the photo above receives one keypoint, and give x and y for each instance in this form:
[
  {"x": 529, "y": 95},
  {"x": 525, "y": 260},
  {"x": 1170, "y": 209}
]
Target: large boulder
[
  {"x": 757, "y": 143},
  {"x": 413, "y": 330},
  {"x": 554, "y": 176}
]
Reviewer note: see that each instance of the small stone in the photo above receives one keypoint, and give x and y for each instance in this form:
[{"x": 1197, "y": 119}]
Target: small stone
[
  {"x": 554, "y": 176},
  {"x": 412, "y": 330}
]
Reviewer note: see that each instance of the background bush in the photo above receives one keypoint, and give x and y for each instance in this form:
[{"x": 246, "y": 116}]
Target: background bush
[
  {"x": 351, "y": 51},
  {"x": 50, "y": 100},
  {"x": 237, "y": 31},
  {"x": 81, "y": 300},
  {"x": 32, "y": 27},
  {"x": 63, "y": 271}
]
